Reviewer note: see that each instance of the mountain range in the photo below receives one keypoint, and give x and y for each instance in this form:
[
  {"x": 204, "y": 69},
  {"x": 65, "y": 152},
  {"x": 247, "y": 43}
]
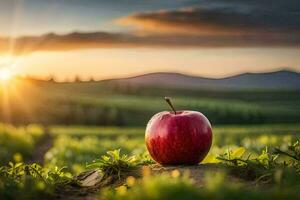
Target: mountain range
[{"x": 283, "y": 79}]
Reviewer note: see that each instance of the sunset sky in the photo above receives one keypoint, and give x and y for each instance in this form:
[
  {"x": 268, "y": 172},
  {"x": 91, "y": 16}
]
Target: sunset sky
[{"x": 116, "y": 38}]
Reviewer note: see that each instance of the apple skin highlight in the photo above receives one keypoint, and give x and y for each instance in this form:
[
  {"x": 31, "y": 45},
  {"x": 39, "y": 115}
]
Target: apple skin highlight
[{"x": 182, "y": 137}]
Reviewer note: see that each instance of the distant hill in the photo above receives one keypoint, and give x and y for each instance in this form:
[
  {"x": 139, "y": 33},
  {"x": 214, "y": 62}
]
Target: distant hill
[
  {"x": 283, "y": 79},
  {"x": 132, "y": 101}
]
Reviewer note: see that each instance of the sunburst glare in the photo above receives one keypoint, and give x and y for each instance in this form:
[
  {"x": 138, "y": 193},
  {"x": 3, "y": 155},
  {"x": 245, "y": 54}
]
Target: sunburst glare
[{"x": 5, "y": 74}]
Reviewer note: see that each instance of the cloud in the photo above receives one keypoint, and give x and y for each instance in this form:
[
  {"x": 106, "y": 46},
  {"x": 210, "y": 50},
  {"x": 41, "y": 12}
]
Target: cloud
[
  {"x": 218, "y": 25},
  {"x": 77, "y": 40},
  {"x": 216, "y": 21},
  {"x": 56, "y": 42}
]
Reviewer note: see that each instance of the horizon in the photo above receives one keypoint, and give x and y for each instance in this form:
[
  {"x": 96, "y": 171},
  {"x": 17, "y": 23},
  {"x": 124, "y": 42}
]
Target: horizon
[
  {"x": 111, "y": 39},
  {"x": 93, "y": 79}
]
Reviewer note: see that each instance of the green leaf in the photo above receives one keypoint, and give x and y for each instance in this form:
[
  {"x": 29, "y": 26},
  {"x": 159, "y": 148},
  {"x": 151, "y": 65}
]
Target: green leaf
[
  {"x": 210, "y": 159},
  {"x": 239, "y": 152}
]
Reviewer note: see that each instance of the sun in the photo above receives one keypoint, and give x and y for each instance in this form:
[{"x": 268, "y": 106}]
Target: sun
[{"x": 5, "y": 74}]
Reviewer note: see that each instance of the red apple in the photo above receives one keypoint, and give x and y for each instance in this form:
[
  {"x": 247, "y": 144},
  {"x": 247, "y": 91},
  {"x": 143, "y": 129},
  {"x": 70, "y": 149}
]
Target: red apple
[{"x": 178, "y": 137}]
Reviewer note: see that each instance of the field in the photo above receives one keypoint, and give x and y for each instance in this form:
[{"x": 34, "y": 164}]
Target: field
[
  {"x": 86, "y": 141},
  {"x": 74, "y": 147},
  {"x": 111, "y": 104}
]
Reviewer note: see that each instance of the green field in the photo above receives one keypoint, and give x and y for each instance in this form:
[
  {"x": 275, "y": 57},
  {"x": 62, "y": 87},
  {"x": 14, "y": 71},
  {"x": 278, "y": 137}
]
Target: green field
[
  {"x": 110, "y": 104},
  {"x": 71, "y": 128},
  {"x": 75, "y": 146}
]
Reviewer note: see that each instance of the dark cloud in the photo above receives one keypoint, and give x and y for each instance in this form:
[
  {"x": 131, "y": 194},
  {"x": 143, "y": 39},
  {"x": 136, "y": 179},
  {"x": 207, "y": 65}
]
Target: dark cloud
[
  {"x": 274, "y": 5},
  {"x": 230, "y": 23},
  {"x": 75, "y": 41},
  {"x": 216, "y": 21},
  {"x": 282, "y": 6}
]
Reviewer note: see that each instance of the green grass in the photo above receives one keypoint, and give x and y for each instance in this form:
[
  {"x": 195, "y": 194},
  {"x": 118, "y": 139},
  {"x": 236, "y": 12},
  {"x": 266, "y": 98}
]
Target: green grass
[
  {"x": 272, "y": 176},
  {"x": 31, "y": 181},
  {"x": 74, "y": 146},
  {"x": 115, "y": 163},
  {"x": 217, "y": 187},
  {"x": 272, "y": 167},
  {"x": 18, "y": 143}
]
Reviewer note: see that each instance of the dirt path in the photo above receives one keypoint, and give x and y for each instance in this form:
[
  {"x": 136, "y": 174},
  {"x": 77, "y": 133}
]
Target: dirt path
[{"x": 41, "y": 148}]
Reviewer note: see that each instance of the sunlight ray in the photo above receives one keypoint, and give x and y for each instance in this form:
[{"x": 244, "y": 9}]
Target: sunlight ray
[
  {"x": 12, "y": 97},
  {"x": 17, "y": 94},
  {"x": 5, "y": 107},
  {"x": 15, "y": 24}
]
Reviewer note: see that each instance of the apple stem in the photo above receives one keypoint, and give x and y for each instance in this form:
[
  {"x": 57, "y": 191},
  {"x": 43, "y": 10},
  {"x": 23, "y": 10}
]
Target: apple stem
[{"x": 168, "y": 100}]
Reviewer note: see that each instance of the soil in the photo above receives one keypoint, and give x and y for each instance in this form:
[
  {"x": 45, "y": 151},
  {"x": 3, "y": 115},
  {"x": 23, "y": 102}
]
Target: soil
[{"x": 41, "y": 148}]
